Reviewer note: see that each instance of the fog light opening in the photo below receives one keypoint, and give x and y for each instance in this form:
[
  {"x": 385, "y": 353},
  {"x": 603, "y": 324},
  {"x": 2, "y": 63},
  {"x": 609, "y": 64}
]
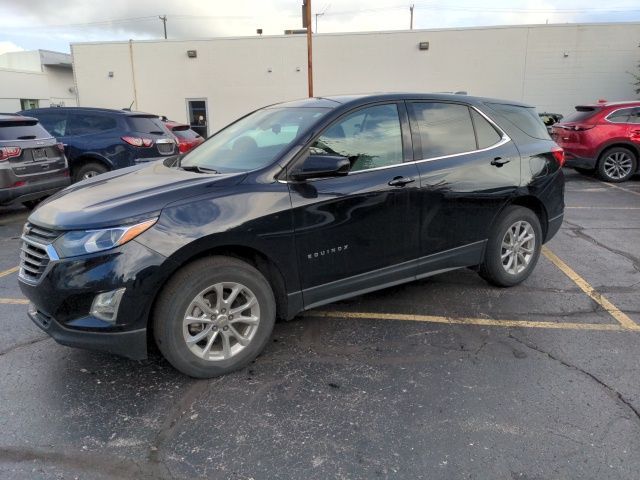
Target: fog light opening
[{"x": 105, "y": 305}]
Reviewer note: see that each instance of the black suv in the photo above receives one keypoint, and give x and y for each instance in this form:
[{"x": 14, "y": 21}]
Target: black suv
[
  {"x": 293, "y": 206},
  {"x": 98, "y": 139},
  {"x": 32, "y": 163}
]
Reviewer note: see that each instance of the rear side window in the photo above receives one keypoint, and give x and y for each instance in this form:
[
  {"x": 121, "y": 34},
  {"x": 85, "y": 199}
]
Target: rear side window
[
  {"x": 443, "y": 128},
  {"x": 525, "y": 118},
  {"x": 620, "y": 116},
  {"x": 486, "y": 133},
  {"x": 582, "y": 114},
  {"x": 146, "y": 125},
  {"x": 54, "y": 122},
  {"x": 86, "y": 124},
  {"x": 635, "y": 116},
  {"x": 22, "y": 130}
]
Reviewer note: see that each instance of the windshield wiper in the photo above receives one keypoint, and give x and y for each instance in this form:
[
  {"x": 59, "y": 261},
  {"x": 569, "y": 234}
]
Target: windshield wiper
[{"x": 197, "y": 169}]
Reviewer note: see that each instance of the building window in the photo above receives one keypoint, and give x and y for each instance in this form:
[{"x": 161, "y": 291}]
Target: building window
[{"x": 28, "y": 104}]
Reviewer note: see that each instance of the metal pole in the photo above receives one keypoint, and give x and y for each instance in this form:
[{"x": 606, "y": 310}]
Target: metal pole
[
  {"x": 309, "y": 47},
  {"x": 411, "y": 10},
  {"x": 164, "y": 22}
]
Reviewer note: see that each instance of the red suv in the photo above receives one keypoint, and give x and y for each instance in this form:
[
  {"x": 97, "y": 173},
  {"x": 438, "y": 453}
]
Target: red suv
[{"x": 604, "y": 137}]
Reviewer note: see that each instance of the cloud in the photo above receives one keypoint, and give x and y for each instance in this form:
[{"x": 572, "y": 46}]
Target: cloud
[{"x": 9, "y": 47}]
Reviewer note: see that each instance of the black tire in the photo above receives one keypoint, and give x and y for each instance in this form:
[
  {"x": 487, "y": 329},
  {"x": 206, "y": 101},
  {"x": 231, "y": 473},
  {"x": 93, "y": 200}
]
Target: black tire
[
  {"x": 492, "y": 268},
  {"x": 584, "y": 171},
  {"x": 623, "y": 154},
  {"x": 88, "y": 170},
  {"x": 177, "y": 297}
]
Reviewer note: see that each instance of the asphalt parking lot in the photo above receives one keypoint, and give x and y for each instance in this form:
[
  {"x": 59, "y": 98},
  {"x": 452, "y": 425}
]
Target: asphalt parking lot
[{"x": 440, "y": 379}]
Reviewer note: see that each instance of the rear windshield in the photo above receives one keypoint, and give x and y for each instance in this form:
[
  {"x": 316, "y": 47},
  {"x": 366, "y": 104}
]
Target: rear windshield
[
  {"x": 187, "y": 134},
  {"x": 581, "y": 114},
  {"x": 146, "y": 125},
  {"x": 22, "y": 130},
  {"x": 525, "y": 118}
]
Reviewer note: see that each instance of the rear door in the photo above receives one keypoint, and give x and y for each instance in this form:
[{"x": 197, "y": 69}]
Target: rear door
[
  {"x": 468, "y": 170},
  {"x": 359, "y": 231}
]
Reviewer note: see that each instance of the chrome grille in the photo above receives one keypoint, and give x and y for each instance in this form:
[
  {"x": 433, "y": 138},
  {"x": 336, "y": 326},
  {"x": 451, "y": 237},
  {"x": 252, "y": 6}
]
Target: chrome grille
[{"x": 34, "y": 257}]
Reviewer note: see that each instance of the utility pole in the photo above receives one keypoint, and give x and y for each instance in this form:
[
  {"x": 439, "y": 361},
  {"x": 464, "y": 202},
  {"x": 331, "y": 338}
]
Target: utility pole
[
  {"x": 411, "y": 10},
  {"x": 306, "y": 22},
  {"x": 164, "y": 22}
]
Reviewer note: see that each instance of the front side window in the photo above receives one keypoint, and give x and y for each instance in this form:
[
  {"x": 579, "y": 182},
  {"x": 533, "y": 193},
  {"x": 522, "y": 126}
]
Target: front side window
[
  {"x": 54, "y": 122},
  {"x": 254, "y": 141},
  {"x": 369, "y": 138},
  {"x": 443, "y": 128}
]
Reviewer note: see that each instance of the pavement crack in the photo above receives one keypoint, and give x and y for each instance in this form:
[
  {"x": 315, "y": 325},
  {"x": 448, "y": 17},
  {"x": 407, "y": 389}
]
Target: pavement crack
[
  {"x": 172, "y": 421},
  {"x": 23, "y": 344},
  {"x": 579, "y": 232},
  {"x": 617, "y": 395}
]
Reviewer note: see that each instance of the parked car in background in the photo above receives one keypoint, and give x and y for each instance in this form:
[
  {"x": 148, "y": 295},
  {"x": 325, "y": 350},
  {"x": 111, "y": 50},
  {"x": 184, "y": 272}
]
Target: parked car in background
[
  {"x": 97, "y": 140},
  {"x": 603, "y": 137},
  {"x": 186, "y": 137},
  {"x": 550, "y": 119},
  {"x": 360, "y": 193},
  {"x": 32, "y": 162}
]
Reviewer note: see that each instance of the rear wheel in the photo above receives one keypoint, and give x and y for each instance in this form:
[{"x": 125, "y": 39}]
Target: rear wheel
[
  {"x": 88, "y": 170},
  {"x": 617, "y": 165},
  {"x": 513, "y": 247},
  {"x": 214, "y": 317}
]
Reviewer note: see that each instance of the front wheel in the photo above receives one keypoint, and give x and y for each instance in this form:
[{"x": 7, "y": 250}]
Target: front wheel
[
  {"x": 617, "y": 165},
  {"x": 513, "y": 247},
  {"x": 214, "y": 316}
]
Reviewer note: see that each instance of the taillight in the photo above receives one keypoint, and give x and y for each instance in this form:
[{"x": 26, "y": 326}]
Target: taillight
[
  {"x": 138, "y": 141},
  {"x": 558, "y": 154},
  {"x": 9, "y": 152}
]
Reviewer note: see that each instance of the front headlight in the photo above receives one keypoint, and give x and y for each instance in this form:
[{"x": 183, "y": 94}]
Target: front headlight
[{"x": 81, "y": 242}]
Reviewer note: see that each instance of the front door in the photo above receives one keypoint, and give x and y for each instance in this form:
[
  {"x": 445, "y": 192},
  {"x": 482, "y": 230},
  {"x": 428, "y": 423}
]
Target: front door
[{"x": 358, "y": 231}]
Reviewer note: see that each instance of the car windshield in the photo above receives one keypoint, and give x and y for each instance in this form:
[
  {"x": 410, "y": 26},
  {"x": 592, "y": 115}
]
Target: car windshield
[{"x": 254, "y": 141}]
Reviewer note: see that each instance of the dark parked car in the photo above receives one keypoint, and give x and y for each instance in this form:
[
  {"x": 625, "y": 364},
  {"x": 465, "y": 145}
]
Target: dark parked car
[
  {"x": 98, "y": 140},
  {"x": 187, "y": 138},
  {"x": 32, "y": 163},
  {"x": 359, "y": 193},
  {"x": 603, "y": 138}
]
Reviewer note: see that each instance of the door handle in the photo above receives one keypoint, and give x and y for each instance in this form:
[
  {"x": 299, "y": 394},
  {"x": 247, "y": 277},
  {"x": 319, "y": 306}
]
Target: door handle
[
  {"x": 499, "y": 161},
  {"x": 401, "y": 181}
]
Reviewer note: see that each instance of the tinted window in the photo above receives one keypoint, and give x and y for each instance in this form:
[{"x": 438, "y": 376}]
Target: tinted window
[
  {"x": 369, "y": 138},
  {"x": 22, "y": 130},
  {"x": 635, "y": 116},
  {"x": 186, "y": 134},
  {"x": 582, "y": 113},
  {"x": 254, "y": 141},
  {"x": 54, "y": 122},
  {"x": 620, "y": 116},
  {"x": 487, "y": 135},
  {"x": 146, "y": 125},
  {"x": 85, "y": 124},
  {"x": 525, "y": 118},
  {"x": 444, "y": 129}
]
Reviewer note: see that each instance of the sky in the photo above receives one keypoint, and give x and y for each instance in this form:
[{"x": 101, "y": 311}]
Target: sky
[{"x": 53, "y": 25}]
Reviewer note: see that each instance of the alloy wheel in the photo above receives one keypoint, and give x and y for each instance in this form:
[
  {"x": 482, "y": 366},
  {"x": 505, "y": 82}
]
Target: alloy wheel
[
  {"x": 518, "y": 247},
  {"x": 618, "y": 165},
  {"x": 221, "y": 321}
]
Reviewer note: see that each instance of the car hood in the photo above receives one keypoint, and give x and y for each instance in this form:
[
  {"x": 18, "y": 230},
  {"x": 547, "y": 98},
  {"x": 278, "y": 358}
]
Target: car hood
[{"x": 125, "y": 196}]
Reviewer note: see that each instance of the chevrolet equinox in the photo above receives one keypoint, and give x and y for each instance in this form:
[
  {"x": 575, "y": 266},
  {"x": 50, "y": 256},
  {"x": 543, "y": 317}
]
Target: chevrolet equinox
[{"x": 293, "y": 206}]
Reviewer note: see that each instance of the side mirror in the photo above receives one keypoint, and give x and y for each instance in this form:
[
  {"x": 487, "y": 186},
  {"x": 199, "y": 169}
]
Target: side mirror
[{"x": 321, "y": 166}]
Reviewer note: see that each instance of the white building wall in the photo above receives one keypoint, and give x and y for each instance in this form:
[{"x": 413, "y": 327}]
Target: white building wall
[
  {"x": 16, "y": 84},
  {"x": 60, "y": 86},
  {"x": 553, "y": 67}
]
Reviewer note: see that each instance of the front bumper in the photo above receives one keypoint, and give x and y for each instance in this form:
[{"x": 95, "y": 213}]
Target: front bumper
[
  {"x": 61, "y": 299},
  {"x": 130, "y": 344}
]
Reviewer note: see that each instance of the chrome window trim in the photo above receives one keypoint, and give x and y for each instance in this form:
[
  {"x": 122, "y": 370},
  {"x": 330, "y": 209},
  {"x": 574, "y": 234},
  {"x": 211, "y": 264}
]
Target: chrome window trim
[{"x": 503, "y": 140}]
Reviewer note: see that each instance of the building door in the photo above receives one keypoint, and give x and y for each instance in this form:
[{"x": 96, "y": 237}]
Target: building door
[{"x": 197, "y": 116}]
